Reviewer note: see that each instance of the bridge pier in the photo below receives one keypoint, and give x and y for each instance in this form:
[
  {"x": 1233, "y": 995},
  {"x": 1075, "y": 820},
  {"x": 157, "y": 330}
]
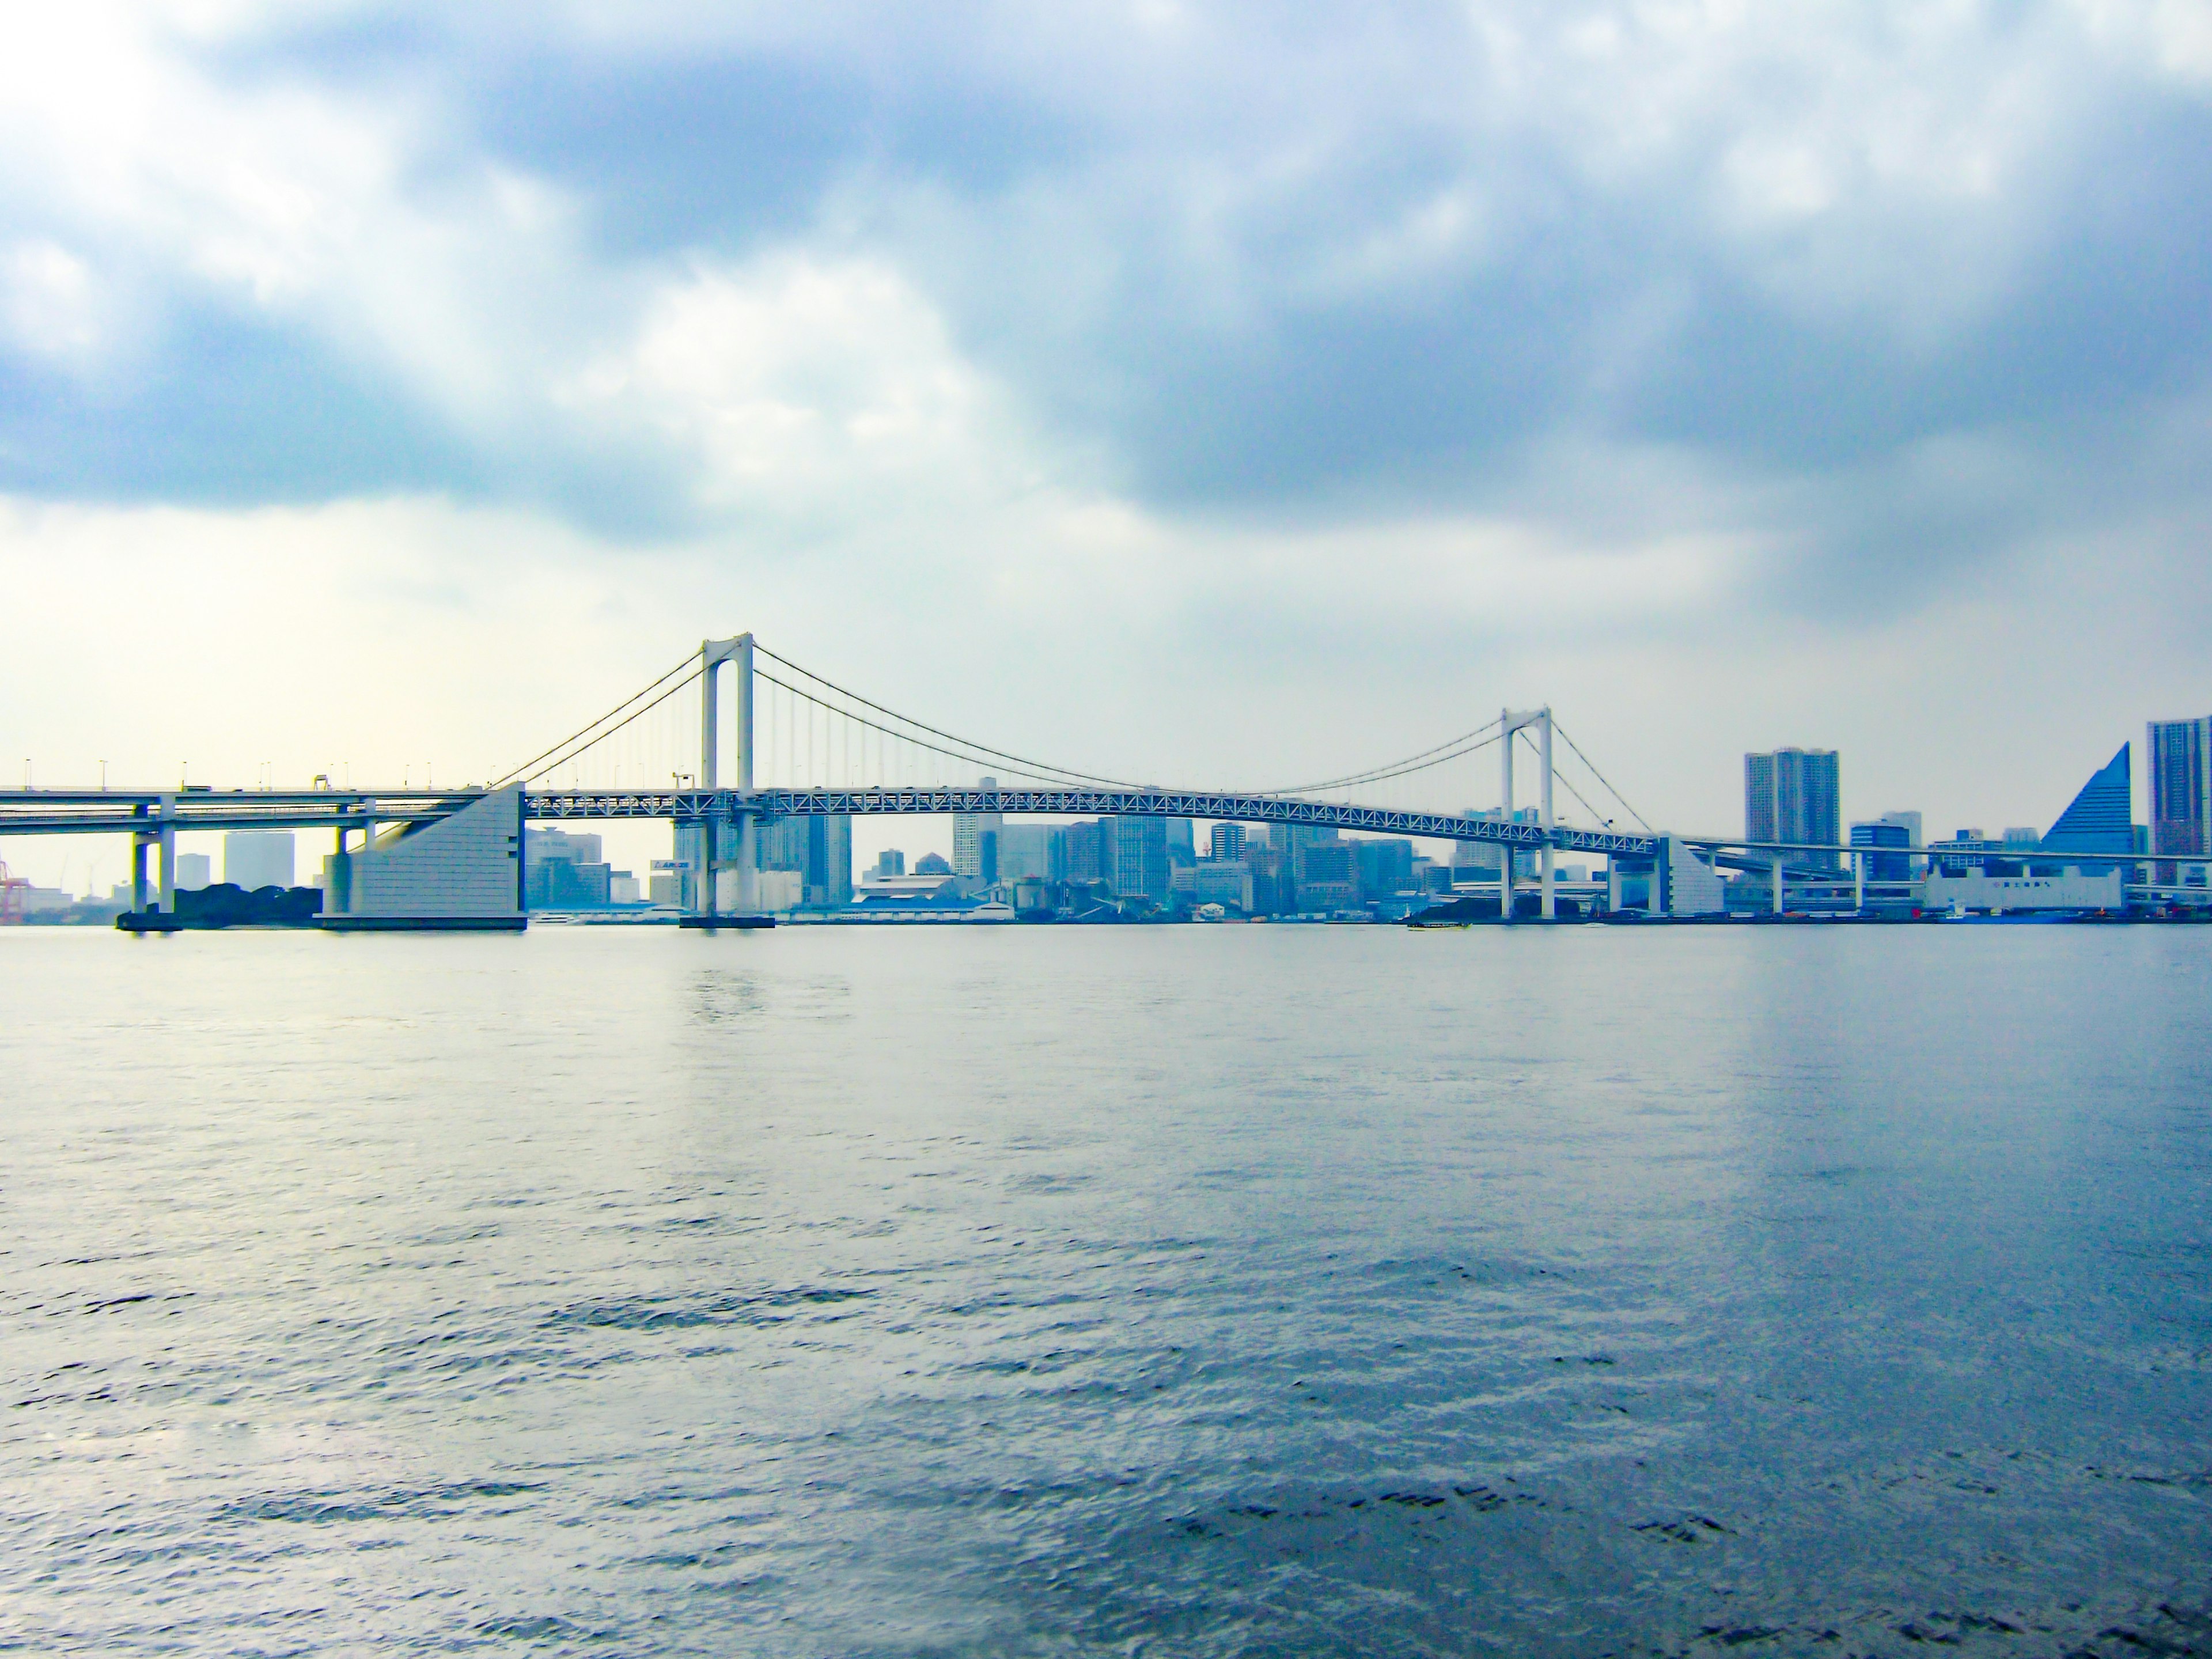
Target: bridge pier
[
  {"x": 1777, "y": 869},
  {"x": 713, "y": 656},
  {"x": 139, "y": 842}
]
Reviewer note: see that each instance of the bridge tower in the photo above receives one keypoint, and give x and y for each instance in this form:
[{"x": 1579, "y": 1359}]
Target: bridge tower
[
  {"x": 713, "y": 656},
  {"x": 1514, "y": 722}
]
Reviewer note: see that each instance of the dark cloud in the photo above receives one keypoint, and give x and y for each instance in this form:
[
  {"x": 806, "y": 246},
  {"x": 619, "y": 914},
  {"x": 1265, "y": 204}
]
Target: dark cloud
[{"x": 1270, "y": 262}]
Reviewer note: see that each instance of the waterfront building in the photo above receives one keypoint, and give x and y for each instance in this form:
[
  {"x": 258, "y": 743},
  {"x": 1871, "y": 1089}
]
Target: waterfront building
[
  {"x": 193, "y": 872},
  {"x": 2100, "y": 818},
  {"x": 976, "y": 842},
  {"x": 1793, "y": 795},
  {"x": 623, "y": 887},
  {"x": 1225, "y": 882},
  {"x": 1887, "y": 866},
  {"x": 255, "y": 859},
  {"x": 664, "y": 883},
  {"x": 2180, "y": 789},
  {"x": 891, "y": 862},
  {"x": 932, "y": 863},
  {"x": 1226, "y": 840}
]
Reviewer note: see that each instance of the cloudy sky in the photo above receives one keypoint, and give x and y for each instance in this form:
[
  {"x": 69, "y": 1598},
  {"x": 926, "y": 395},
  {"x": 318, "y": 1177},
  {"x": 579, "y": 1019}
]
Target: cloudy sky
[{"x": 1213, "y": 393}]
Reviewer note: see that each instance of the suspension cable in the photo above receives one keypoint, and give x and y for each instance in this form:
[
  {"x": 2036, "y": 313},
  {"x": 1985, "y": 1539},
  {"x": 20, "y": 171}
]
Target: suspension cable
[
  {"x": 989, "y": 756},
  {"x": 524, "y": 770},
  {"x": 527, "y": 775},
  {"x": 1600, "y": 777},
  {"x": 1397, "y": 767}
]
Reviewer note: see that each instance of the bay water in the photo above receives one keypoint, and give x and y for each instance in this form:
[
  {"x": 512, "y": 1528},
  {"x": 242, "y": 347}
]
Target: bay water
[{"x": 1209, "y": 1290}]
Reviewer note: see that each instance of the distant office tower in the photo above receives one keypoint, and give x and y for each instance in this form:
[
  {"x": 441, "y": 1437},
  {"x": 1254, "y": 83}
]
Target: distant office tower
[
  {"x": 976, "y": 842},
  {"x": 1793, "y": 795},
  {"x": 1909, "y": 821},
  {"x": 1086, "y": 858},
  {"x": 257, "y": 858},
  {"x": 564, "y": 871},
  {"x": 1385, "y": 868},
  {"x": 816, "y": 848},
  {"x": 1328, "y": 875},
  {"x": 1226, "y": 841},
  {"x": 1292, "y": 840},
  {"x": 2180, "y": 787},
  {"x": 1885, "y": 865},
  {"x": 1134, "y": 853},
  {"x": 1035, "y": 851},
  {"x": 891, "y": 862},
  {"x": 192, "y": 871},
  {"x": 1181, "y": 847}
]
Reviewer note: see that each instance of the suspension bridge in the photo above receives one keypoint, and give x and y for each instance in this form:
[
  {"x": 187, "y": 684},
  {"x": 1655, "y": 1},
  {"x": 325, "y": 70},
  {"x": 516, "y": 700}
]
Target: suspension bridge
[{"x": 760, "y": 739}]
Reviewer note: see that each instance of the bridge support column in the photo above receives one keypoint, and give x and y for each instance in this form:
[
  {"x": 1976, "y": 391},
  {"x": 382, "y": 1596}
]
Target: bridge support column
[
  {"x": 139, "y": 842},
  {"x": 1858, "y": 881},
  {"x": 1551, "y": 899},
  {"x": 1612, "y": 883},
  {"x": 1777, "y": 872},
  {"x": 168, "y": 868}
]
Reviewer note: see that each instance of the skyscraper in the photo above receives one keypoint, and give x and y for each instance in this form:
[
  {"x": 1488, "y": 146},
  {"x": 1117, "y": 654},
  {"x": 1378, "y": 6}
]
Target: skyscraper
[
  {"x": 976, "y": 842},
  {"x": 2180, "y": 787},
  {"x": 1135, "y": 852},
  {"x": 815, "y": 848},
  {"x": 1227, "y": 841},
  {"x": 1034, "y": 850},
  {"x": 1793, "y": 795},
  {"x": 1181, "y": 849}
]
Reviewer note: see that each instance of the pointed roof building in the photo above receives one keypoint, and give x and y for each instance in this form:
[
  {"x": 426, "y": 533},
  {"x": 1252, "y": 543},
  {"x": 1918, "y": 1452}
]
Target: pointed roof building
[{"x": 2101, "y": 817}]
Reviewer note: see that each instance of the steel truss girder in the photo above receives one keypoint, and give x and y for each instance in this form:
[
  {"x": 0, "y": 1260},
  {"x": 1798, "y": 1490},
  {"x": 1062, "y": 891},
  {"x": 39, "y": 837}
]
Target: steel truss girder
[{"x": 693, "y": 806}]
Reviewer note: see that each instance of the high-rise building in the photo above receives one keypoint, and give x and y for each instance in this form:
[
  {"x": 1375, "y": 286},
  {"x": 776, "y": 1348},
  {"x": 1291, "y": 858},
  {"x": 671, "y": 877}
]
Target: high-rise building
[
  {"x": 1226, "y": 840},
  {"x": 1036, "y": 851},
  {"x": 562, "y": 871},
  {"x": 1328, "y": 875},
  {"x": 1134, "y": 853},
  {"x": 976, "y": 842},
  {"x": 1292, "y": 840},
  {"x": 1385, "y": 868},
  {"x": 1086, "y": 858},
  {"x": 255, "y": 859},
  {"x": 891, "y": 862},
  {"x": 1908, "y": 821},
  {"x": 1793, "y": 795},
  {"x": 193, "y": 872},
  {"x": 815, "y": 848},
  {"x": 1181, "y": 847},
  {"x": 2181, "y": 788}
]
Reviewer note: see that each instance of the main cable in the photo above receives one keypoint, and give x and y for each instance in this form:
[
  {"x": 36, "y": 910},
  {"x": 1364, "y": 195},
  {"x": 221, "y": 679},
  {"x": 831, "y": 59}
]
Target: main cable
[
  {"x": 1601, "y": 778},
  {"x": 528, "y": 776},
  {"x": 983, "y": 752},
  {"x": 1396, "y": 767},
  {"x": 524, "y": 771}
]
